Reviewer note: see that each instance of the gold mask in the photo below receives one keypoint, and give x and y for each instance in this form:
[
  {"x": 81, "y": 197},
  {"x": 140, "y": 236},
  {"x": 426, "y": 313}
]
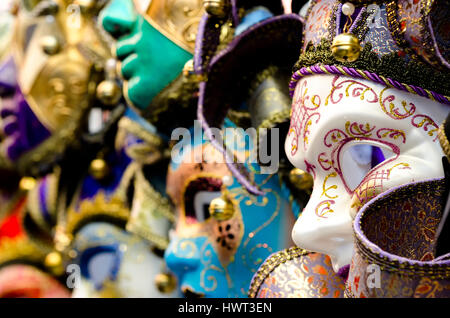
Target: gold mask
[
  {"x": 61, "y": 57},
  {"x": 57, "y": 50}
]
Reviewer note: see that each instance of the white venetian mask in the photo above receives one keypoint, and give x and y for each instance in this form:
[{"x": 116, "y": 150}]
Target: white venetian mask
[
  {"x": 357, "y": 139},
  {"x": 115, "y": 263}
]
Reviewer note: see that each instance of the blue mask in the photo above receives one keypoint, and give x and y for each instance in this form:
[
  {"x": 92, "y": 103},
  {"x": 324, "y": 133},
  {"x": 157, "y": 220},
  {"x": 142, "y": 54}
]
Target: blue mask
[{"x": 213, "y": 258}]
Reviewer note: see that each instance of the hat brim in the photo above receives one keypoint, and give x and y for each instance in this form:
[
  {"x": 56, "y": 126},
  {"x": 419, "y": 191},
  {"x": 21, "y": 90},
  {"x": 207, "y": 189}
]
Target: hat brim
[{"x": 274, "y": 41}]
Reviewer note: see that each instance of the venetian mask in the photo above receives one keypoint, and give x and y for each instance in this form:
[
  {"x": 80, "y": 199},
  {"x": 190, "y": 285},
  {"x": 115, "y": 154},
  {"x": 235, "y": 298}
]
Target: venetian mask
[
  {"x": 216, "y": 256},
  {"x": 160, "y": 36},
  {"x": 357, "y": 139},
  {"x": 115, "y": 263},
  {"x": 119, "y": 220},
  {"x": 60, "y": 58}
]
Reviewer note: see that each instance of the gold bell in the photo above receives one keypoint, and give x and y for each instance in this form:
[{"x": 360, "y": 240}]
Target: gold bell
[
  {"x": 346, "y": 47},
  {"x": 221, "y": 208},
  {"x": 108, "y": 92},
  {"x": 301, "y": 179},
  {"x": 166, "y": 283},
  {"x": 217, "y": 8},
  {"x": 50, "y": 45},
  {"x": 27, "y": 183},
  {"x": 99, "y": 169},
  {"x": 188, "y": 68},
  {"x": 53, "y": 261}
]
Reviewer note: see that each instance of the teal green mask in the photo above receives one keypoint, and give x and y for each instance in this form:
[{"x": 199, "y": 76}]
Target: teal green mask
[{"x": 150, "y": 61}]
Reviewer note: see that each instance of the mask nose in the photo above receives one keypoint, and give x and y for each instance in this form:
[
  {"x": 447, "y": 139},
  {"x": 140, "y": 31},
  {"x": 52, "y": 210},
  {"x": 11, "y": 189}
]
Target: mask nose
[
  {"x": 182, "y": 256},
  {"x": 119, "y": 17}
]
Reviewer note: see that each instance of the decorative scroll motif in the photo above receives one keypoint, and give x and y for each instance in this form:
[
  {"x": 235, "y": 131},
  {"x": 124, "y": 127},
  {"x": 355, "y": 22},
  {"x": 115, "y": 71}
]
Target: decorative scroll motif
[
  {"x": 310, "y": 168},
  {"x": 391, "y": 133},
  {"x": 304, "y": 114},
  {"x": 324, "y": 208},
  {"x": 353, "y": 89}
]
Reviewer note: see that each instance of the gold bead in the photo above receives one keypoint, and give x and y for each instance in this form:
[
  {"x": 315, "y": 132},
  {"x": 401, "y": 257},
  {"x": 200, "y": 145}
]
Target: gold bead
[
  {"x": 346, "y": 47},
  {"x": 14, "y": 8},
  {"x": 108, "y": 92},
  {"x": 166, "y": 283},
  {"x": 54, "y": 262},
  {"x": 99, "y": 169},
  {"x": 217, "y": 8},
  {"x": 188, "y": 68},
  {"x": 50, "y": 45},
  {"x": 301, "y": 179},
  {"x": 27, "y": 183},
  {"x": 221, "y": 208},
  {"x": 73, "y": 254}
]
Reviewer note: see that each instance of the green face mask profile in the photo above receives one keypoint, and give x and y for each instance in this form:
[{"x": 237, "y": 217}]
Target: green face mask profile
[{"x": 149, "y": 60}]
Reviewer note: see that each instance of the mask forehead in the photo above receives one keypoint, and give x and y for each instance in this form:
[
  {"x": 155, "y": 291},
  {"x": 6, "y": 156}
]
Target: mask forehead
[{"x": 331, "y": 117}]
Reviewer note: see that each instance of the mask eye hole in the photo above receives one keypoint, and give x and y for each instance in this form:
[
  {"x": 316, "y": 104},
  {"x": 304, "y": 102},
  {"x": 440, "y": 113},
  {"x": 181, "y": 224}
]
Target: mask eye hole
[
  {"x": 198, "y": 196},
  {"x": 99, "y": 264},
  {"x": 357, "y": 160},
  {"x": 202, "y": 201}
]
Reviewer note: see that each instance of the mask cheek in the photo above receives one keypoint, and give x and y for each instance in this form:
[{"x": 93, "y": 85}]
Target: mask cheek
[
  {"x": 295, "y": 156},
  {"x": 226, "y": 237}
]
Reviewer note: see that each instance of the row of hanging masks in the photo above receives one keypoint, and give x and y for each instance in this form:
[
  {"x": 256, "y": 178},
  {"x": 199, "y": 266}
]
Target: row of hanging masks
[{"x": 339, "y": 166}]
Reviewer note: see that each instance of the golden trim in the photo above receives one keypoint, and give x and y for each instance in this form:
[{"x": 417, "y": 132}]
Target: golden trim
[
  {"x": 159, "y": 206},
  {"x": 127, "y": 98},
  {"x": 164, "y": 207},
  {"x": 21, "y": 249},
  {"x": 134, "y": 128},
  {"x": 100, "y": 206},
  {"x": 159, "y": 241}
]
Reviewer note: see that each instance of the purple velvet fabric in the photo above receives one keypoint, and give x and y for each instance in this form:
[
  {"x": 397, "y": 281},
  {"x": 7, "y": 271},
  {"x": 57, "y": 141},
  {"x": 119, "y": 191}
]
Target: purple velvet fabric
[
  {"x": 22, "y": 128},
  {"x": 206, "y": 43}
]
